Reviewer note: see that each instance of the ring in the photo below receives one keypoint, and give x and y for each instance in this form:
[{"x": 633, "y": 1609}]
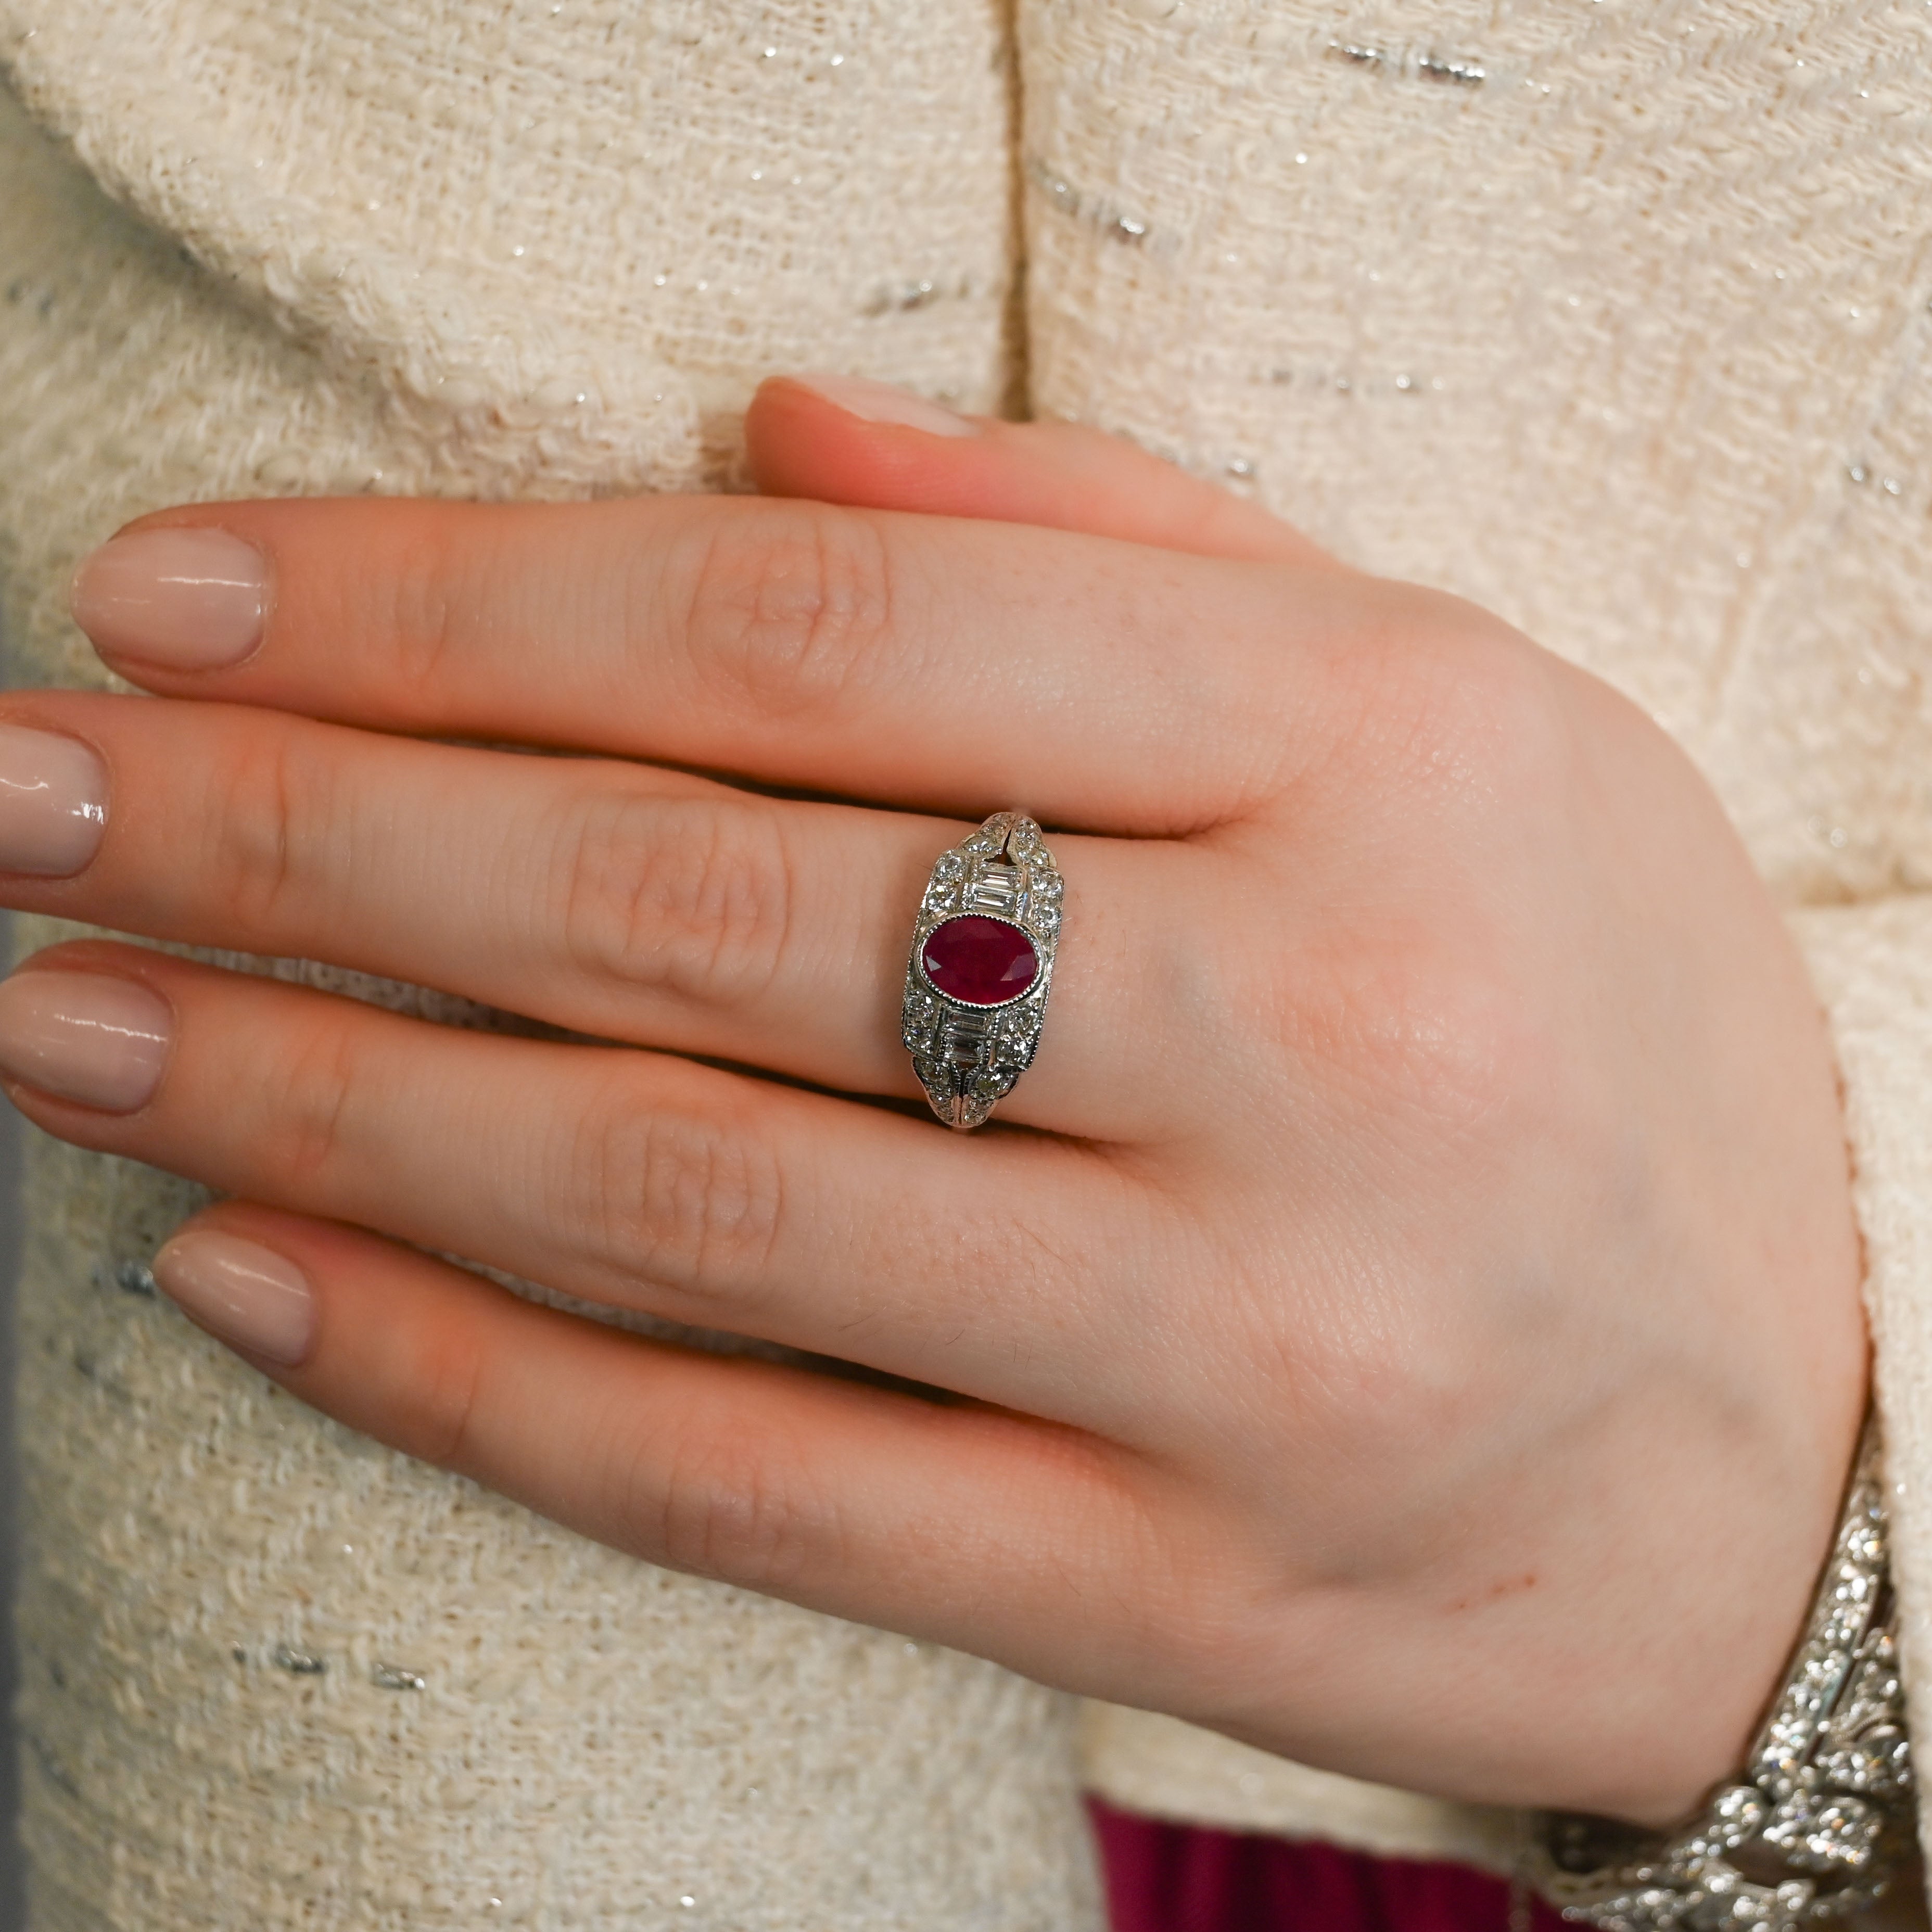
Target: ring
[{"x": 982, "y": 962}]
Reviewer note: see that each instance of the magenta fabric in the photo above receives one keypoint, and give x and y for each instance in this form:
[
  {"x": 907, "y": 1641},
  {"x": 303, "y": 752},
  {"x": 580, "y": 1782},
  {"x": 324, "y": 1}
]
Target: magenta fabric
[{"x": 1177, "y": 1878}]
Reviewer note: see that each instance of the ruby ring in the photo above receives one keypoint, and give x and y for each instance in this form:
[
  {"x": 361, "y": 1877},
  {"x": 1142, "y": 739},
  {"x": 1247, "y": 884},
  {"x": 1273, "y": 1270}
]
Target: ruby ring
[{"x": 982, "y": 962}]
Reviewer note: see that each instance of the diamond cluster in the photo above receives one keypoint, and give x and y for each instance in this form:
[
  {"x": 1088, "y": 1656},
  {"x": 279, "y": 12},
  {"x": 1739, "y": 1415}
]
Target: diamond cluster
[
  {"x": 1823, "y": 1816},
  {"x": 968, "y": 1055}
]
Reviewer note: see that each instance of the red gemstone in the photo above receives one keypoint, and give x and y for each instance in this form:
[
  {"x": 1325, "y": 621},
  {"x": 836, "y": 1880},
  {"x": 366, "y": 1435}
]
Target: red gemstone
[{"x": 981, "y": 962}]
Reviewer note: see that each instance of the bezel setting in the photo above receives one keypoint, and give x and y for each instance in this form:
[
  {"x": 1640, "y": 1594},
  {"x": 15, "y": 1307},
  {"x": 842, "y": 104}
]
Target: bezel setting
[
  {"x": 968, "y": 1056},
  {"x": 978, "y": 1005}
]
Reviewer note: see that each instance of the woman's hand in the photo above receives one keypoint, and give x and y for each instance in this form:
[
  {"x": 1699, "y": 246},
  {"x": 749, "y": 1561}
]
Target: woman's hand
[{"x": 1407, "y": 1317}]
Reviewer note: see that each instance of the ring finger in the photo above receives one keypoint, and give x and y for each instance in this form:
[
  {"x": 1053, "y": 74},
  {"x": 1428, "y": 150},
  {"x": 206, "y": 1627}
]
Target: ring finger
[{"x": 636, "y": 904}]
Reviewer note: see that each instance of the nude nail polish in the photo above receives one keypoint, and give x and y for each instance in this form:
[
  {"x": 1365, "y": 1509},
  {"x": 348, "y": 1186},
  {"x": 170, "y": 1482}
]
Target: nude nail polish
[
  {"x": 243, "y": 1294},
  {"x": 176, "y": 599},
  {"x": 881, "y": 403},
  {"x": 94, "y": 1038},
  {"x": 53, "y": 802}
]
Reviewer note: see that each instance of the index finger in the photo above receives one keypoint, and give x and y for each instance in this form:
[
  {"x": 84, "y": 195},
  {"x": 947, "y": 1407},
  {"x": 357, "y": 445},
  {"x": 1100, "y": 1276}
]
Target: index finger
[{"x": 953, "y": 664}]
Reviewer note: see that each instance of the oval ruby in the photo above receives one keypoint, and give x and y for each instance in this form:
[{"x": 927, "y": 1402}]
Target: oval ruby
[{"x": 979, "y": 961}]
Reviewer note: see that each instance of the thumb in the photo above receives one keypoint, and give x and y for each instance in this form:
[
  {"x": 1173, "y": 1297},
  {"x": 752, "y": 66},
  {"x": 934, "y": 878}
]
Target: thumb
[{"x": 847, "y": 439}]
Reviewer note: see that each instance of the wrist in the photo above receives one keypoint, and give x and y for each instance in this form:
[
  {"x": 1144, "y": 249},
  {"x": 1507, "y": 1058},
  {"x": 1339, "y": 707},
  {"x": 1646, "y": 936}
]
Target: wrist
[{"x": 1821, "y": 1814}]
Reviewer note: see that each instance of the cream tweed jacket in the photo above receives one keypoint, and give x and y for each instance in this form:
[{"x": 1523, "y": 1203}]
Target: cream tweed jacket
[{"x": 1610, "y": 314}]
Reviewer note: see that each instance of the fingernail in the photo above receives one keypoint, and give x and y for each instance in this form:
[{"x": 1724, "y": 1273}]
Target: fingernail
[
  {"x": 181, "y": 600},
  {"x": 53, "y": 802},
  {"x": 879, "y": 402},
  {"x": 242, "y": 1293},
  {"x": 92, "y": 1037}
]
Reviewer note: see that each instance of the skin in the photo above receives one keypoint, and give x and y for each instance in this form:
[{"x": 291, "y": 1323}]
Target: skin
[{"x": 1407, "y": 1319}]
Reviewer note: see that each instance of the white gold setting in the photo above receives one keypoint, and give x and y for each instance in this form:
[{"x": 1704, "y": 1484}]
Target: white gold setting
[{"x": 968, "y": 1055}]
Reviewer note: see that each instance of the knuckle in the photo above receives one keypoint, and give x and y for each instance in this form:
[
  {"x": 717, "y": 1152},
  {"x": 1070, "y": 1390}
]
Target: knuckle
[
  {"x": 1488, "y": 725},
  {"x": 1423, "y": 1030},
  {"x": 1424, "y": 1009},
  {"x": 732, "y": 1507},
  {"x": 274, "y": 814},
  {"x": 690, "y": 899},
  {"x": 417, "y": 601},
  {"x": 788, "y": 610},
  {"x": 1445, "y": 700},
  {"x": 676, "y": 1199},
  {"x": 440, "y": 1396},
  {"x": 1393, "y": 1395},
  {"x": 311, "y": 1106}
]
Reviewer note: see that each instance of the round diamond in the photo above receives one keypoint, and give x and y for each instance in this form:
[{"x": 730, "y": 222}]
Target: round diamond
[{"x": 979, "y": 961}]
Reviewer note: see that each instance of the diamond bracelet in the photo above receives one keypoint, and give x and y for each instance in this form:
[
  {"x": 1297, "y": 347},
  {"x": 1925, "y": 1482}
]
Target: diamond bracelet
[{"x": 1824, "y": 1813}]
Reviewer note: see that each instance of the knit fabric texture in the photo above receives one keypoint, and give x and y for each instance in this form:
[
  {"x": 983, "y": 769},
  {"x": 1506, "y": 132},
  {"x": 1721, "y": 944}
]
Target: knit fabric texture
[
  {"x": 1611, "y": 317},
  {"x": 275, "y": 1677}
]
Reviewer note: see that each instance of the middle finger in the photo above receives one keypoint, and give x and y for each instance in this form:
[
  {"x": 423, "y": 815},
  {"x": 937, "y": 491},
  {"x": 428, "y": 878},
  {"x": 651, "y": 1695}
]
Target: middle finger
[{"x": 638, "y": 905}]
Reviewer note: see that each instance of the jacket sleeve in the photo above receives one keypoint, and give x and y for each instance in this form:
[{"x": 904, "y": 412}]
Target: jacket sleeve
[
  {"x": 1165, "y": 1768},
  {"x": 1872, "y": 964}
]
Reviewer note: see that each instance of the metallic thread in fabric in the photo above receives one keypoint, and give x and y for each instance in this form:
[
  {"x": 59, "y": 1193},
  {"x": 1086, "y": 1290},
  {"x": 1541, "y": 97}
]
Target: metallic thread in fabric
[{"x": 1611, "y": 316}]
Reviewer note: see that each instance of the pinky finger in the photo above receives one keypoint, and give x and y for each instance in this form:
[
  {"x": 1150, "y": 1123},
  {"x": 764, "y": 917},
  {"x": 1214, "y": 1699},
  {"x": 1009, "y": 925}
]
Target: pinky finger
[{"x": 968, "y": 1525}]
